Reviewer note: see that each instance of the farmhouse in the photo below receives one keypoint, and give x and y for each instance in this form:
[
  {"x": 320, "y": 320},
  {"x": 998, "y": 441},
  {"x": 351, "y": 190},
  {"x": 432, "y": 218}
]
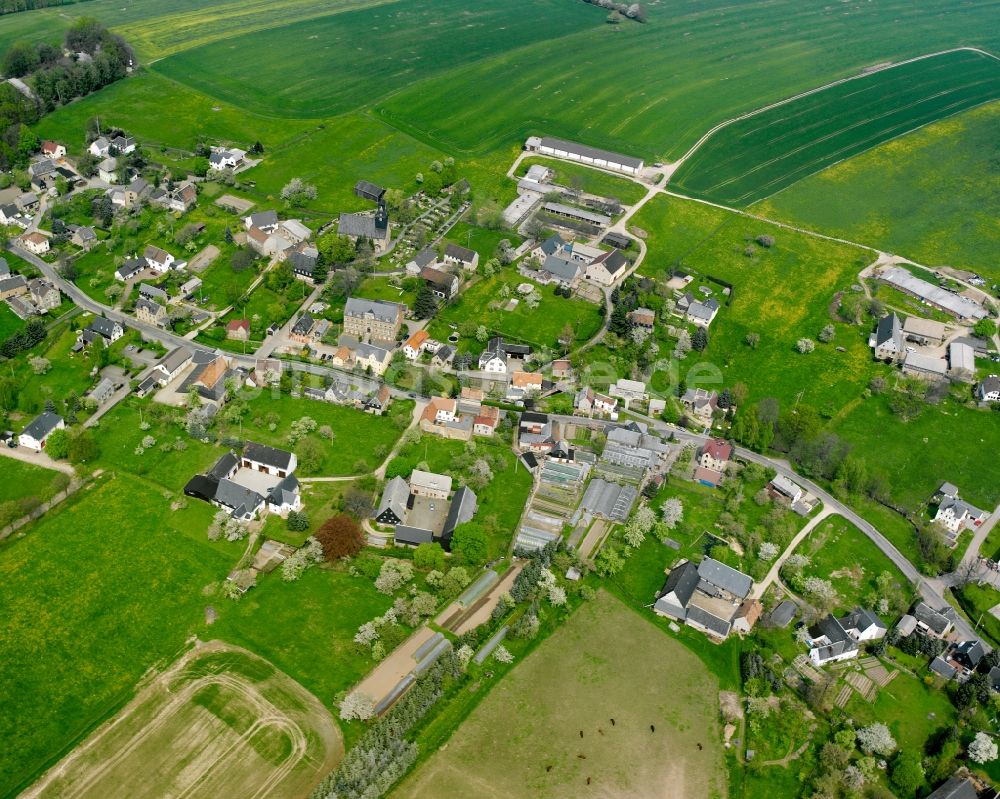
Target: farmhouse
[
  {"x": 238, "y": 330},
  {"x": 931, "y": 622},
  {"x": 926, "y": 367},
  {"x": 707, "y": 597},
  {"x": 925, "y": 331},
  {"x": 571, "y": 151},
  {"x": 171, "y": 364},
  {"x": 224, "y": 158},
  {"x": 962, "y": 359},
  {"x": 552, "y": 245},
  {"x": 495, "y": 358},
  {"x": 260, "y": 481},
  {"x": 524, "y": 384},
  {"x": 443, "y": 284},
  {"x": 415, "y": 344},
  {"x": 208, "y": 378},
  {"x": 560, "y": 268},
  {"x": 265, "y": 221},
  {"x": 153, "y": 293},
  {"x": 958, "y": 306},
  {"x": 37, "y": 432},
  {"x": 442, "y": 417},
  {"x": 424, "y": 257},
  {"x": 420, "y": 510},
  {"x": 536, "y": 432},
  {"x": 157, "y": 259},
  {"x": 606, "y": 268},
  {"x": 832, "y": 639},
  {"x": 887, "y": 340},
  {"x": 180, "y": 199},
  {"x": 130, "y": 269},
  {"x": 628, "y": 391}
]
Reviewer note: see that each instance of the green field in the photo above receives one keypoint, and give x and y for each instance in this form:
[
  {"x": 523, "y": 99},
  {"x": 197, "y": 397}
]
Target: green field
[
  {"x": 578, "y": 680},
  {"x": 10, "y": 322},
  {"x": 22, "y": 480},
  {"x": 88, "y": 609},
  {"x": 415, "y": 40},
  {"x": 931, "y": 195},
  {"x": 758, "y": 156}
]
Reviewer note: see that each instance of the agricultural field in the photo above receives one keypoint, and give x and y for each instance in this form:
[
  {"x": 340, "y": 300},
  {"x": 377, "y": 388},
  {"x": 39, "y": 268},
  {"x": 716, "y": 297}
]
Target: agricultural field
[
  {"x": 758, "y": 156},
  {"x": 416, "y": 41},
  {"x": 219, "y": 720},
  {"x": 580, "y": 678},
  {"x": 88, "y": 610},
  {"x": 930, "y": 195},
  {"x": 482, "y": 303},
  {"x": 838, "y": 551}
]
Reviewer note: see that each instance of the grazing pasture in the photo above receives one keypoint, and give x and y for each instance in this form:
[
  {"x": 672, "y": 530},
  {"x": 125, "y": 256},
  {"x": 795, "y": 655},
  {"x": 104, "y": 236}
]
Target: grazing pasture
[
  {"x": 932, "y": 195},
  {"x": 415, "y": 40},
  {"x": 220, "y": 721},
  {"x": 664, "y": 741},
  {"x": 762, "y": 154}
]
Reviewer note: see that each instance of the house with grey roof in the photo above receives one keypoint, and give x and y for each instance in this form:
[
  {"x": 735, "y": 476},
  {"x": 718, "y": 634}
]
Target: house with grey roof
[
  {"x": 702, "y": 313},
  {"x": 39, "y": 429},
  {"x": 262, "y": 220},
  {"x": 422, "y": 258},
  {"x": 956, "y": 788},
  {"x": 371, "y": 227},
  {"x": 887, "y": 340},
  {"x": 593, "y": 156},
  {"x": 608, "y": 500},
  {"x": 392, "y": 507},
  {"x": 561, "y": 268},
  {"x": 103, "y": 391},
  {"x": 455, "y": 255},
  {"x": 708, "y": 597},
  {"x": 463, "y": 507},
  {"x": 930, "y": 621},
  {"x": 372, "y": 320},
  {"x": 832, "y": 639},
  {"x": 988, "y": 389}
]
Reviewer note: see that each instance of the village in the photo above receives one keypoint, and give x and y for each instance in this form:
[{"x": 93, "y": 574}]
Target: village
[{"x": 209, "y": 304}]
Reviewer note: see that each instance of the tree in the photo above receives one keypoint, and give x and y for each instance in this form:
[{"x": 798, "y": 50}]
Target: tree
[
  {"x": 984, "y": 328},
  {"x": 242, "y": 258},
  {"x": 82, "y": 447},
  {"x": 357, "y": 705},
  {"x": 876, "y": 739},
  {"x": 429, "y": 555},
  {"x": 57, "y": 444},
  {"x": 907, "y": 773},
  {"x": 983, "y": 748},
  {"x": 827, "y": 334},
  {"x": 310, "y": 455},
  {"x": 673, "y": 512},
  {"x": 640, "y": 524},
  {"x": 297, "y": 193},
  {"x": 40, "y": 365},
  {"x": 469, "y": 544},
  {"x": 699, "y": 342},
  {"x": 683, "y": 346},
  {"x": 340, "y": 537},
  {"x": 805, "y": 345},
  {"x": 200, "y": 167},
  {"x": 424, "y": 306},
  {"x": 767, "y": 551},
  {"x": 455, "y": 580}
]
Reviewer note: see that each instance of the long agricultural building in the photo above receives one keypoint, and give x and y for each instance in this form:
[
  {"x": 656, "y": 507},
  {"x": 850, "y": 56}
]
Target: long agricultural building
[
  {"x": 571, "y": 151},
  {"x": 955, "y": 304}
]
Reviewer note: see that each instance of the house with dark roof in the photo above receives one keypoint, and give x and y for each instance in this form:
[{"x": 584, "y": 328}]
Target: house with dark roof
[
  {"x": 36, "y": 433},
  {"x": 262, "y": 220},
  {"x": 887, "y": 340},
  {"x": 369, "y": 191},
  {"x": 703, "y": 312},
  {"x": 955, "y": 514},
  {"x": 988, "y": 389},
  {"x": 443, "y": 284},
  {"x": 930, "y": 621},
  {"x": 393, "y": 505},
  {"x": 150, "y": 312},
  {"x": 424, "y": 257},
  {"x": 559, "y": 267},
  {"x": 607, "y": 269},
  {"x": 271, "y": 460},
  {"x": 709, "y": 597},
  {"x": 832, "y": 639},
  {"x": 461, "y": 256},
  {"x": 782, "y": 614},
  {"x": 302, "y": 329},
  {"x": 107, "y": 329},
  {"x": 956, "y": 788},
  {"x": 552, "y": 245},
  {"x": 130, "y": 269},
  {"x": 463, "y": 507}
]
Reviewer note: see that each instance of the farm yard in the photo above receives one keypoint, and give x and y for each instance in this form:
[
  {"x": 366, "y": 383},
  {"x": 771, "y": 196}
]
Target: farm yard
[
  {"x": 220, "y": 720},
  {"x": 579, "y": 679},
  {"x": 758, "y": 156},
  {"x": 930, "y": 195}
]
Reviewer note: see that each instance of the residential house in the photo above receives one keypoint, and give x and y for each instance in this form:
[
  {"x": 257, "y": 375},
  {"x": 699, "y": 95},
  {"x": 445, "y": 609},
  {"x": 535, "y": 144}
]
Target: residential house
[
  {"x": 989, "y": 389},
  {"x": 4, "y": 268},
  {"x": 829, "y": 642},
  {"x": 708, "y": 597},
  {"x": 123, "y": 145},
  {"x": 782, "y": 614},
  {"x": 283, "y": 497},
  {"x": 130, "y": 269},
  {"x": 642, "y": 317},
  {"x": 44, "y": 294},
  {"x": 107, "y": 170},
  {"x": 486, "y": 420},
  {"x": 430, "y": 485},
  {"x": 134, "y": 193},
  {"x": 107, "y": 329},
  {"x": 181, "y": 198},
  {"x": 378, "y": 403},
  {"x": 372, "y": 320},
  {"x": 99, "y": 147},
  {"x": 887, "y": 340},
  {"x": 35, "y": 242},
  {"x": 932, "y": 622},
  {"x": 421, "y": 259},
  {"x": 269, "y": 460},
  {"x": 955, "y": 514},
  {"x": 225, "y": 158},
  {"x": 441, "y": 417},
  {"x": 443, "y": 284},
  {"x": 189, "y": 287},
  {"x": 628, "y": 391},
  {"x": 238, "y": 330},
  {"x": 37, "y": 432},
  {"x": 956, "y": 788},
  {"x": 13, "y": 286},
  {"x": 712, "y": 461},
  {"x": 154, "y": 293},
  {"x": 524, "y": 384},
  {"x": 461, "y": 256},
  {"x": 150, "y": 312},
  {"x": 784, "y": 487},
  {"x": 701, "y": 404},
  {"x": 27, "y": 202},
  {"x": 171, "y": 364},
  {"x": 302, "y": 329},
  {"x": 414, "y": 345},
  {"x": 747, "y": 616},
  {"x": 303, "y": 258},
  {"x": 42, "y": 168},
  {"x": 536, "y": 432},
  {"x": 553, "y": 244},
  {"x": 265, "y": 221},
  {"x": 588, "y": 401},
  {"x": 208, "y": 378},
  {"x": 266, "y": 372},
  {"x": 444, "y": 357},
  {"x": 159, "y": 260},
  {"x": 10, "y": 214},
  {"x": 53, "y": 149},
  {"x": 702, "y": 313},
  {"x": 560, "y": 268},
  {"x": 562, "y": 368},
  {"x": 607, "y": 269},
  {"x": 84, "y": 237},
  {"x": 370, "y": 357}
]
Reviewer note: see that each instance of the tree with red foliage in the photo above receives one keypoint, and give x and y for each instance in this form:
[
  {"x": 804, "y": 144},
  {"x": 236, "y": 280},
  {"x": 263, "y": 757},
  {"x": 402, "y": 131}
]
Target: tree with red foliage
[{"x": 340, "y": 537}]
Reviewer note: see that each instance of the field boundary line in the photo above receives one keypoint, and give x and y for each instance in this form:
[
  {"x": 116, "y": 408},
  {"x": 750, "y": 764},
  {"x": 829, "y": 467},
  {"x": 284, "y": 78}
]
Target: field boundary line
[{"x": 871, "y": 71}]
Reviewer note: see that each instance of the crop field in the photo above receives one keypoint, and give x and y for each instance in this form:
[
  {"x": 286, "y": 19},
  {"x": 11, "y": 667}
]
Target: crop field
[
  {"x": 578, "y": 680},
  {"x": 932, "y": 195},
  {"x": 758, "y": 156},
  {"x": 415, "y": 40},
  {"x": 220, "y": 721}
]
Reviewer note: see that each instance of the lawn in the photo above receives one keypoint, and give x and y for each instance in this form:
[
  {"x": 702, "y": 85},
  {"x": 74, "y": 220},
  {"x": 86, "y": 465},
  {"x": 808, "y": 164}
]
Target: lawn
[
  {"x": 977, "y": 601},
  {"x": 22, "y": 480},
  {"x": 481, "y": 302},
  {"x": 88, "y": 609},
  {"x": 592, "y": 181},
  {"x": 10, "y": 322},
  {"x": 483, "y": 240},
  {"x": 782, "y": 293},
  {"x": 931, "y": 195},
  {"x": 577, "y": 680},
  {"x": 841, "y": 553},
  {"x": 758, "y": 156},
  {"x": 416, "y": 41}
]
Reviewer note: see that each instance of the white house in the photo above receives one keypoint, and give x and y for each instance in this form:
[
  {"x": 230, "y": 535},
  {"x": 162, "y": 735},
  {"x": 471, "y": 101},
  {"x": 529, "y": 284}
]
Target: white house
[
  {"x": 284, "y": 497},
  {"x": 224, "y": 158},
  {"x": 159, "y": 260},
  {"x": 53, "y": 149},
  {"x": 171, "y": 364},
  {"x": 989, "y": 389},
  {"x": 270, "y": 460},
  {"x": 35, "y": 243},
  {"x": 37, "y": 432},
  {"x": 955, "y": 514},
  {"x": 887, "y": 340},
  {"x": 628, "y": 390},
  {"x": 99, "y": 147},
  {"x": 107, "y": 170},
  {"x": 461, "y": 256},
  {"x": 414, "y": 345}
]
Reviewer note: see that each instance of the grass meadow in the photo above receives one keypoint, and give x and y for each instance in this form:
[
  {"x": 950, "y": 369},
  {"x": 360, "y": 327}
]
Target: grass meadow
[
  {"x": 758, "y": 156},
  {"x": 22, "y": 480},
  {"x": 88, "y": 609},
  {"x": 932, "y": 195},
  {"x": 578, "y": 679}
]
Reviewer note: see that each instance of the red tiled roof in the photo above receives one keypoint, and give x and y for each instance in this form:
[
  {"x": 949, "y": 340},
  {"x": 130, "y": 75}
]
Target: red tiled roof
[{"x": 718, "y": 449}]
